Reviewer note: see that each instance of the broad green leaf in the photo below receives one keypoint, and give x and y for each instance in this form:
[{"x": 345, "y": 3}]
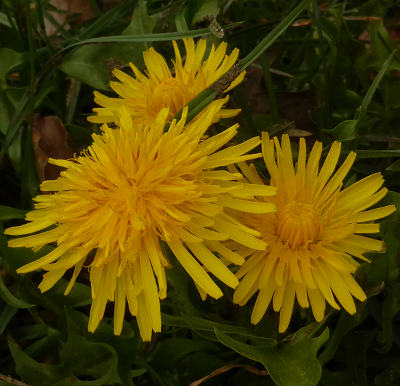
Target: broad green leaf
[
  {"x": 287, "y": 363},
  {"x": 79, "y": 360},
  {"x": 170, "y": 351},
  {"x": 92, "y": 64},
  {"x": 31, "y": 371},
  {"x": 127, "y": 346},
  {"x": 344, "y": 131},
  {"x": 13, "y": 258},
  {"x": 80, "y": 294},
  {"x": 180, "y": 19},
  {"x": 9, "y": 60},
  {"x": 88, "y": 65},
  {"x": 4, "y": 20},
  {"x": 208, "y": 8},
  {"x": 141, "y": 24},
  {"x": 9, "y": 298},
  {"x": 6, "y": 315},
  {"x": 10, "y": 213}
]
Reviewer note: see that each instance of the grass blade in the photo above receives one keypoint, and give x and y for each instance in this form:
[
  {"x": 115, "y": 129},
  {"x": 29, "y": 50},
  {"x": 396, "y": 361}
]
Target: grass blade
[
  {"x": 273, "y": 35},
  {"x": 371, "y": 91}
]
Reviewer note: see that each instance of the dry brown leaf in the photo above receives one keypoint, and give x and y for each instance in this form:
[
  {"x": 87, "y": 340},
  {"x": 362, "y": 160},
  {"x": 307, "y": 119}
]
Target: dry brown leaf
[
  {"x": 66, "y": 8},
  {"x": 83, "y": 8},
  {"x": 293, "y": 132},
  {"x": 226, "y": 368},
  {"x": 59, "y": 17},
  {"x": 50, "y": 139},
  {"x": 12, "y": 381}
]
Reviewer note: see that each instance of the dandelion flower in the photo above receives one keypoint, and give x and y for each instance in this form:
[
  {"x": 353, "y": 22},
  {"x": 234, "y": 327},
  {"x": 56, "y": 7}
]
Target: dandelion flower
[
  {"x": 315, "y": 235},
  {"x": 131, "y": 190},
  {"x": 147, "y": 94}
]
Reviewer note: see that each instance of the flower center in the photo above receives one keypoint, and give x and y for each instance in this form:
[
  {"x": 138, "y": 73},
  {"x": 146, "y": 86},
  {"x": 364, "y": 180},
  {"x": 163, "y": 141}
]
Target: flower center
[
  {"x": 298, "y": 224},
  {"x": 167, "y": 93}
]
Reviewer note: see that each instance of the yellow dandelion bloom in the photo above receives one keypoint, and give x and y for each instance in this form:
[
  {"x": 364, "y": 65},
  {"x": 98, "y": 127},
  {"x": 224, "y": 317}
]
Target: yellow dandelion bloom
[
  {"x": 131, "y": 190},
  {"x": 314, "y": 236},
  {"x": 147, "y": 94}
]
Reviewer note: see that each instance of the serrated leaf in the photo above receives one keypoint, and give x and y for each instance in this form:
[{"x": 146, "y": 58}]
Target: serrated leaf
[
  {"x": 288, "y": 364},
  {"x": 78, "y": 358}
]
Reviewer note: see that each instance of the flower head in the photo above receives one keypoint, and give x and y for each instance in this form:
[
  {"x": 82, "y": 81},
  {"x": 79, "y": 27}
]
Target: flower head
[
  {"x": 314, "y": 236},
  {"x": 147, "y": 94},
  {"x": 133, "y": 189}
]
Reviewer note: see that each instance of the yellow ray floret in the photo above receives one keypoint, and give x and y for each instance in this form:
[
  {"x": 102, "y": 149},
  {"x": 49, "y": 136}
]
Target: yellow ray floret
[
  {"x": 145, "y": 95},
  {"x": 313, "y": 237},
  {"x": 132, "y": 190}
]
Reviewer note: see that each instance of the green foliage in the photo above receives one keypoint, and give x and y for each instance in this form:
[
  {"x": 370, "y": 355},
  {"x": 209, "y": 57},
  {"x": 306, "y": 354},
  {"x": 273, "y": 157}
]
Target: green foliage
[
  {"x": 292, "y": 362},
  {"x": 326, "y": 69}
]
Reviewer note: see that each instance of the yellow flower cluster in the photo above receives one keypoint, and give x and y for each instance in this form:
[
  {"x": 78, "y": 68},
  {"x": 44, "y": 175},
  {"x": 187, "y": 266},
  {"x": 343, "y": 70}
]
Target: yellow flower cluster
[{"x": 140, "y": 187}]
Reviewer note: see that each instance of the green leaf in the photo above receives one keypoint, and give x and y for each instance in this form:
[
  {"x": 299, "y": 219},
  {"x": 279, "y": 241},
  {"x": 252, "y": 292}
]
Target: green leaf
[
  {"x": 367, "y": 154},
  {"x": 288, "y": 364},
  {"x": 371, "y": 90},
  {"x": 203, "y": 325},
  {"x": 9, "y": 213},
  {"x": 141, "y": 24},
  {"x": 384, "y": 266},
  {"x": 9, "y": 60},
  {"x": 274, "y": 34},
  {"x": 4, "y": 20},
  {"x": 6, "y": 316},
  {"x": 174, "y": 349},
  {"x": 10, "y": 299},
  {"x": 395, "y": 166},
  {"x": 88, "y": 65},
  {"x": 345, "y": 324},
  {"x": 344, "y": 131},
  {"x": 156, "y": 37},
  {"x": 92, "y": 64},
  {"x": 78, "y": 359},
  {"x": 6, "y": 112},
  {"x": 80, "y": 294},
  {"x": 13, "y": 258},
  {"x": 208, "y": 8}
]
